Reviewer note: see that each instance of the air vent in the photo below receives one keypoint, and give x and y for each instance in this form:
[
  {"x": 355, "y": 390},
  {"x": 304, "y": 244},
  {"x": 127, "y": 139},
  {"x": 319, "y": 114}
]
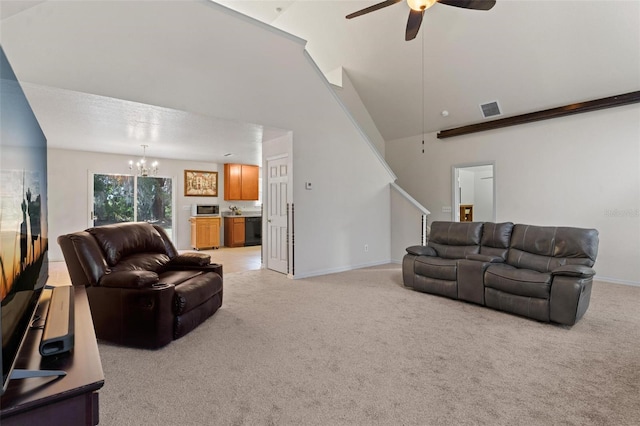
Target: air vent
[{"x": 490, "y": 109}]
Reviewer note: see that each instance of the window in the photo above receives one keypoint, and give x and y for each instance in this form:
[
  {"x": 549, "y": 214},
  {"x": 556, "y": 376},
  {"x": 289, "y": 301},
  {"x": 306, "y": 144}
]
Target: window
[{"x": 123, "y": 198}]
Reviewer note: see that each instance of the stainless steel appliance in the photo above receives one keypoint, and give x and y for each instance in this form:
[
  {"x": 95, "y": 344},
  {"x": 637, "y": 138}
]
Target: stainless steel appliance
[{"x": 205, "y": 210}]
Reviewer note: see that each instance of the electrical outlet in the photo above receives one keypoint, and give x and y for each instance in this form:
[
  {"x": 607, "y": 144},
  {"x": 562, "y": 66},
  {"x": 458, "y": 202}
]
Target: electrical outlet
[{"x": 366, "y": 247}]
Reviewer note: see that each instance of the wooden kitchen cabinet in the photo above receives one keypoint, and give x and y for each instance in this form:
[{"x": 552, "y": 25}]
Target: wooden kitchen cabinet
[
  {"x": 234, "y": 231},
  {"x": 205, "y": 232},
  {"x": 241, "y": 182}
]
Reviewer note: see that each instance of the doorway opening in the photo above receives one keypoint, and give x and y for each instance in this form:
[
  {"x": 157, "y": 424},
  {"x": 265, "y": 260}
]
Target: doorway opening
[{"x": 474, "y": 188}]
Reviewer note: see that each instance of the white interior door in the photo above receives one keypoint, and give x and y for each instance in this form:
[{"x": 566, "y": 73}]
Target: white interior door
[{"x": 278, "y": 171}]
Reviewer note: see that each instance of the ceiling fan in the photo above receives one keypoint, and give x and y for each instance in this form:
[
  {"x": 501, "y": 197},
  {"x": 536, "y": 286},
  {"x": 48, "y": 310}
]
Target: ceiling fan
[{"x": 419, "y": 6}]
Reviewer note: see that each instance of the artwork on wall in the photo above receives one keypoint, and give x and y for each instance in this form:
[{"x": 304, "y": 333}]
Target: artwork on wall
[{"x": 200, "y": 183}]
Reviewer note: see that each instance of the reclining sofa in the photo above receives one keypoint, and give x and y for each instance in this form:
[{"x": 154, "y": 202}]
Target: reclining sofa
[
  {"x": 141, "y": 291},
  {"x": 540, "y": 272}
]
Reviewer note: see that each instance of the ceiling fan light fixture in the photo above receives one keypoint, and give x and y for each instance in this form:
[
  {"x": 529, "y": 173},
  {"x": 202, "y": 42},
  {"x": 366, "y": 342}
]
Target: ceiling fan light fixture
[{"x": 420, "y": 5}]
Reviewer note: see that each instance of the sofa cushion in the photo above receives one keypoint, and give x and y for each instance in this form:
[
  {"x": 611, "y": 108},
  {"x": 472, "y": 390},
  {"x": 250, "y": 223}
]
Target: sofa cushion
[
  {"x": 84, "y": 258},
  {"x": 575, "y": 243},
  {"x": 436, "y": 267},
  {"x": 195, "y": 291},
  {"x": 485, "y": 258},
  {"x": 120, "y": 240},
  {"x": 456, "y": 233},
  {"x": 169, "y": 248},
  {"x": 142, "y": 262},
  {"x": 521, "y": 282},
  {"x": 455, "y": 240},
  {"x": 176, "y": 277},
  {"x": 544, "y": 248},
  {"x": 496, "y": 238}
]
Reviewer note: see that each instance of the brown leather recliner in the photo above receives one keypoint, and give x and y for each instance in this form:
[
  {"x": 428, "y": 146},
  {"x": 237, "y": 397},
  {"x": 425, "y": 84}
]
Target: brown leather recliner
[{"x": 141, "y": 291}]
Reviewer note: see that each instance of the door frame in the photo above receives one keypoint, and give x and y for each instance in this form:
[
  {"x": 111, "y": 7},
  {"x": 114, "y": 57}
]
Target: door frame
[{"x": 455, "y": 191}]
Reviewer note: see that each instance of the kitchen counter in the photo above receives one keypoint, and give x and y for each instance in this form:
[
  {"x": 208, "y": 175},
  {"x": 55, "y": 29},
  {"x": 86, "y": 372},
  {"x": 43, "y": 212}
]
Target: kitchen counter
[{"x": 244, "y": 214}]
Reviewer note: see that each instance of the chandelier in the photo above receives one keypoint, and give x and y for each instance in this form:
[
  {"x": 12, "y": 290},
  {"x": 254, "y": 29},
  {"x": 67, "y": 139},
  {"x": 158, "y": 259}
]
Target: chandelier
[{"x": 144, "y": 169}]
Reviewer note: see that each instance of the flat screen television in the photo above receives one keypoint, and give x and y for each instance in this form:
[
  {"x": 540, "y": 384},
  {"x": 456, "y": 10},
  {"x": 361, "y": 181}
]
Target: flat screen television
[{"x": 23, "y": 216}]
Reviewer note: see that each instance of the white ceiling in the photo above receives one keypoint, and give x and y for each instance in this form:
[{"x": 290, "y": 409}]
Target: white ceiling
[
  {"x": 115, "y": 125},
  {"x": 528, "y": 55}
]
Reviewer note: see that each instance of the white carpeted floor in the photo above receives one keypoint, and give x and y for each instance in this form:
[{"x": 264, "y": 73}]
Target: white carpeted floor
[{"x": 357, "y": 348}]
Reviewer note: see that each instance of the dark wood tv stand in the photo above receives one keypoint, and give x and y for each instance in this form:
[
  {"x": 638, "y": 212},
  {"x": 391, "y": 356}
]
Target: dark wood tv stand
[{"x": 68, "y": 400}]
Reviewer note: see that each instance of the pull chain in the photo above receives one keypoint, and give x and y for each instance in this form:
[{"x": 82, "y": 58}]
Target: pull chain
[{"x": 423, "y": 90}]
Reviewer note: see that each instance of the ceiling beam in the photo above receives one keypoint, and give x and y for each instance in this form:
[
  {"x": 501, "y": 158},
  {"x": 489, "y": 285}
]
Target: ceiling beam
[{"x": 577, "y": 108}]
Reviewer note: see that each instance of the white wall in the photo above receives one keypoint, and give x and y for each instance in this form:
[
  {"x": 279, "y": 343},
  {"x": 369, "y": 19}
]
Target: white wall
[
  {"x": 351, "y": 99},
  {"x": 348, "y": 207},
  {"x": 582, "y": 170},
  {"x": 265, "y": 77},
  {"x": 68, "y": 175}
]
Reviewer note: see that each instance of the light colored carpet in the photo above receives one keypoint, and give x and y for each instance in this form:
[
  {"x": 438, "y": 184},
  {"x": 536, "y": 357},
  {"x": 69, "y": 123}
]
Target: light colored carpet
[{"x": 357, "y": 348}]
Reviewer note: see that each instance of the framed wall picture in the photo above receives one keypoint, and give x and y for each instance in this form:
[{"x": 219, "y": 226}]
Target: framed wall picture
[{"x": 200, "y": 183}]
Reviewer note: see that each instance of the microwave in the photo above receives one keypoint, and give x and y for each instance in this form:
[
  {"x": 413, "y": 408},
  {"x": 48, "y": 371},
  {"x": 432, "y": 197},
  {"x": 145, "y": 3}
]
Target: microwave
[{"x": 205, "y": 210}]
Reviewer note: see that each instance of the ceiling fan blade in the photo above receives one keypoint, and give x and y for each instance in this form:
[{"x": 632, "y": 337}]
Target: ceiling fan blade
[
  {"x": 470, "y": 4},
  {"x": 413, "y": 24},
  {"x": 373, "y": 8}
]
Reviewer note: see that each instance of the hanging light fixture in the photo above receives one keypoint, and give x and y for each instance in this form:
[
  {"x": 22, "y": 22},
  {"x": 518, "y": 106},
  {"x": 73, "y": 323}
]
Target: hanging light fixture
[
  {"x": 144, "y": 169},
  {"x": 419, "y": 5},
  {"x": 422, "y": 77}
]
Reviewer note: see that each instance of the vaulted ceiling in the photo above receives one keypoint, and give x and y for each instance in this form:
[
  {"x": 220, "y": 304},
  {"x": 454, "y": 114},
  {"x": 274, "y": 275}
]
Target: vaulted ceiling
[{"x": 527, "y": 55}]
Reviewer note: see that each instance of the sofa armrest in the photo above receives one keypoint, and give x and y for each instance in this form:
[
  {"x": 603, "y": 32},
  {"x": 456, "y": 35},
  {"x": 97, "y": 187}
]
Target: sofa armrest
[
  {"x": 569, "y": 298},
  {"x": 211, "y": 267},
  {"x": 191, "y": 259},
  {"x": 421, "y": 251},
  {"x": 129, "y": 279},
  {"x": 485, "y": 258},
  {"x": 578, "y": 271},
  {"x": 137, "y": 317}
]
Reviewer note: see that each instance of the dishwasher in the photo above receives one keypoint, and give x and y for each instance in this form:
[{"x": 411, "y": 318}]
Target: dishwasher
[{"x": 252, "y": 231}]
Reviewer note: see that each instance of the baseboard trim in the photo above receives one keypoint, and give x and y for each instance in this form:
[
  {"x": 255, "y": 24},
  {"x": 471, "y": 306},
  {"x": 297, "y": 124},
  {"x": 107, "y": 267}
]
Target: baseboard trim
[
  {"x": 616, "y": 281},
  {"x": 340, "y": 269}
]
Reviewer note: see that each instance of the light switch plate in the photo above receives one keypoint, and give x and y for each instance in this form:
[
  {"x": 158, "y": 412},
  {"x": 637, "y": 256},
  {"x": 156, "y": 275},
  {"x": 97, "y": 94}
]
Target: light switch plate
[
  {"x": 446, "y": 209},
  {"x": 307, "y": 185}
]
